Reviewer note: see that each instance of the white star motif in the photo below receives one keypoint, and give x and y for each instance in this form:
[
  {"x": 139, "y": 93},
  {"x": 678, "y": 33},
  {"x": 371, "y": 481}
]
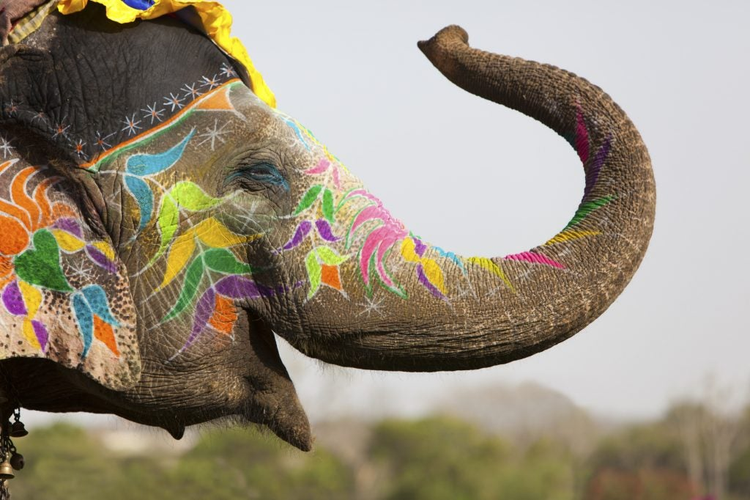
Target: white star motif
[
  {"x": 248, "y": 219},
  {"x": 5, "y": 147},
  {"x": 114, "y": 200},
  {"x": 38, "y": 116},
  {"x": 11, "y": 108},
  {"x": 78, "y": 149},
  {"x": 371, "y": 306},
  {"x": 227, "y": 71},
  {"x": 495, "y": 291},
  {"x": 525, "y": 275},
  {"x": 131, "y": 125},
  {"x": 102, "y": 141},
  {"x": 174, "y": 101},
  {"x": 211, "y": 83},
  {"x": 212, "y": 134},
  {"x": 62, "y": 130},
  {"x": 153, "y": 113},
  {"x": 79, "y": 271},
  {"x": 465, "y": 290},
  {"x": 191, "y": 91}
]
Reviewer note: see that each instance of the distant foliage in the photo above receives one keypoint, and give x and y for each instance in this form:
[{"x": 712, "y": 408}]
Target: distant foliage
[
  {"x": 436, "y": 458},
  {"x": 441, "y": 458},
  {"x": 65, "y": 462}
]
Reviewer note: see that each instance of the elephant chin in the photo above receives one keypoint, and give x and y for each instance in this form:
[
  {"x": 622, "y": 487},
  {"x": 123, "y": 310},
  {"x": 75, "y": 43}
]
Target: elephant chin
[{"x": 266, "y": 396}]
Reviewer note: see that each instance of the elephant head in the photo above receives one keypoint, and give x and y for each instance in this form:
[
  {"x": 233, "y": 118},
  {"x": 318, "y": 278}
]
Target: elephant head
[{"x": 162, "y": 220}]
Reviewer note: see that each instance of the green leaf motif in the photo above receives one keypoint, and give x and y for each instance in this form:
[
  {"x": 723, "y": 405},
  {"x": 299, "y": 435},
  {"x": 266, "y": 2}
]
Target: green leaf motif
[
  {"x": 41, "y": 265},
  {"x": 169, "y": 218},
  {"x": 193, "y": 278},
  {"x": 308, "y": 199},
  {"x": 328, "y": 206},
  {"x": 314, "y": 272},
  {"x": 330, "y": 257},
  {"x": 223, "y": 261},
  {"x": 586, "y": 208},
  {"x": 191, "y": 197}
]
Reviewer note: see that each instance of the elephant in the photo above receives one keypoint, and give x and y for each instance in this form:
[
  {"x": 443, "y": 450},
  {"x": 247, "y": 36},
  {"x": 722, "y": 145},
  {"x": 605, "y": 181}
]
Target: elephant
[{"x": 162, "y": 221}]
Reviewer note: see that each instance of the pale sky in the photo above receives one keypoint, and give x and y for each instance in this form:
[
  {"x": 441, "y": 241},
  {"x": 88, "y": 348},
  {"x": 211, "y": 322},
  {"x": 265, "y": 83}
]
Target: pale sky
[{"x": 479, "y": 179}]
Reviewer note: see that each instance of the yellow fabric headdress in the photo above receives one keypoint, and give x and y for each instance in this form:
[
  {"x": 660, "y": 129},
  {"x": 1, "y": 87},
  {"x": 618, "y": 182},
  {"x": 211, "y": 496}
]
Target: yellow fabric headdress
[{"x": 216, "y": 21}]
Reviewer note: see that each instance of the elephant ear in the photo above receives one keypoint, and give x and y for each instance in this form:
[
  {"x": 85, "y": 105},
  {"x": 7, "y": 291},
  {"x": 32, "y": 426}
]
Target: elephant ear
[{"x": 64, "y": 294}]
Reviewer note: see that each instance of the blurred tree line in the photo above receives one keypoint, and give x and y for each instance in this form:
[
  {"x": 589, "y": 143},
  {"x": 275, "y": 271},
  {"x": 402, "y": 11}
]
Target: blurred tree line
[{"x": 691, "y": 453}]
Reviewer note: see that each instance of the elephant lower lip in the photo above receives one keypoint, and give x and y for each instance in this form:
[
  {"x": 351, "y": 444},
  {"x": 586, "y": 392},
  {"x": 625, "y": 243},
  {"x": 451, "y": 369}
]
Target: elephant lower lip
[{"x": 272, "y": 400}]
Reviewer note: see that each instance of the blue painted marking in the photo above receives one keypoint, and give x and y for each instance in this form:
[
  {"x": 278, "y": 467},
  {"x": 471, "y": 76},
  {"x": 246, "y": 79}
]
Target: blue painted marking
[
  {"x": 97, "y": 299},
  {"x": 452, "y": 256},
  {"x": 298, "y": 132},
  {"x": 85, "y": 322},
  {"x": 149, "y": 164},
  {"x": 143, "y": 196}
]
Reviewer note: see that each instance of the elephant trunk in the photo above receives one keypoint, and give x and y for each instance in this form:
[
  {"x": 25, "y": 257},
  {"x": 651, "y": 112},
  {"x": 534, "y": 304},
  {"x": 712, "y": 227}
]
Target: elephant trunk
[{"x": 473, "y": 312}]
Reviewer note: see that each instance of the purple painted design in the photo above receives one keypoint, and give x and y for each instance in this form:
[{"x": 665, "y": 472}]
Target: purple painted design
[
  {"x": 13, "y": 300},
  {"x": 419, "y": 247},
  {"x": 100, "y": 259},
  {"x": 69, "y": 225},
  {"x": 41, "y": 334},
  {"x": 426, "y": 282},
  {"x": 593, "y": 173},
  {"x": 203, "y": 311},
  {"x": 303, "y": 229},
  {"x": 325, "y": 231},
  {"x": 237, "y": 287}
]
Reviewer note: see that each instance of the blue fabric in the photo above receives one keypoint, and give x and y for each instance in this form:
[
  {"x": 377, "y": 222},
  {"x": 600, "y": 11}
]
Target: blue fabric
[{"x": 139, "y": 4}]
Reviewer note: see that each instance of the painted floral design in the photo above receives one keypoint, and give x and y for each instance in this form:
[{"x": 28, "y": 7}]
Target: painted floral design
[
  {"x": 368, "y": 237},
  {"x": 336, "y": 223},
  {"x": 372, "y": 234},
  {"x": 36, "y": 232},
  {"x": 196, "y": 246}
]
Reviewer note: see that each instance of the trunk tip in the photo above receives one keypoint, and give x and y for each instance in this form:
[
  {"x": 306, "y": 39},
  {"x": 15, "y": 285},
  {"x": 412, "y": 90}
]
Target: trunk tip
[{"x": 440, "y": 49}]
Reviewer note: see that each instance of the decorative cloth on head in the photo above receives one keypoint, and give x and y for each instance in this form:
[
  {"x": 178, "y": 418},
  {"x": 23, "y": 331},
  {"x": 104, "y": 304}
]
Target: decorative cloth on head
[
  {"x": 216, "y": 22},
  {"x": 210, "y": 17}
]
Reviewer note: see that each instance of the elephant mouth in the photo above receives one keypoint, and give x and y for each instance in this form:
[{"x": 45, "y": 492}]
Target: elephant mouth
[{"x": 271, "y": 397}]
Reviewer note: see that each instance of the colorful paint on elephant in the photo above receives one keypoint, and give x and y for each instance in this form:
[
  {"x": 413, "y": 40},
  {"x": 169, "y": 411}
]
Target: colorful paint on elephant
[
  {"x": 350, "y": 225},
  {"x": 369, "y": 233},
  {"x": 37, "y": 232},
  {"x": 196, "y": 249},
  {"x": 341, "y": 229}
]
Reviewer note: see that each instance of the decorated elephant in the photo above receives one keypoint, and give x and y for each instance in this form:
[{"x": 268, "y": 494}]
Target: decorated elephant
[{"x": 160, "y": 221}]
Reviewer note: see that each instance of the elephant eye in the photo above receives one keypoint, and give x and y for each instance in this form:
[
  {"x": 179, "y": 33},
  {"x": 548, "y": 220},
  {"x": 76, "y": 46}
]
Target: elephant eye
[{"x": 256, "y": 176}]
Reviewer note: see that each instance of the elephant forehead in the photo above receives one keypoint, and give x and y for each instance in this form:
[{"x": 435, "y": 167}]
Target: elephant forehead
[{"x": 226, "y": 120}]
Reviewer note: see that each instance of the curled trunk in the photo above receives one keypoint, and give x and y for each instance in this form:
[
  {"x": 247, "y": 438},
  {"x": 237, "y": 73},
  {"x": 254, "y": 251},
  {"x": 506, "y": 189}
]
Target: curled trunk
[{"x": 505, "y": 308}]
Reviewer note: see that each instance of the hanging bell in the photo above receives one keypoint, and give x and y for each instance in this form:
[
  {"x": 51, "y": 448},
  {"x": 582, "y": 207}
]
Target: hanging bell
[
  {"x": 18, "y": 430},
  {"x": 6, "y": 471},
  {"x": 17, "y": 461}
]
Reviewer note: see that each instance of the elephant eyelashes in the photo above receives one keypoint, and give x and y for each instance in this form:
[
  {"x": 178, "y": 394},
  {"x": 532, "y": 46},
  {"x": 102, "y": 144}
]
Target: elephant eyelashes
[{"x": 259, "y": 176}]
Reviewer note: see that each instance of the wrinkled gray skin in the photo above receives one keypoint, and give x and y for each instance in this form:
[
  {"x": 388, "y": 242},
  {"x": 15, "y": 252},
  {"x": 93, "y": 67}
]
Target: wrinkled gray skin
[{"x": 245, "y": 379}]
